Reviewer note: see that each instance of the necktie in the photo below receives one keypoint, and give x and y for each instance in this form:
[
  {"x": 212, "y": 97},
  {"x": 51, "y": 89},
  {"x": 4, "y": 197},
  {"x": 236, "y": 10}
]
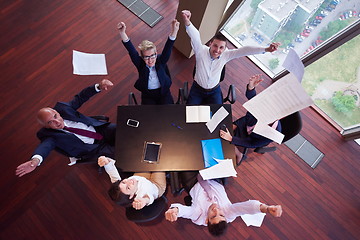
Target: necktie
[
  {"x": 84, "y": 133},
  {"x": 206, "y": 186}
]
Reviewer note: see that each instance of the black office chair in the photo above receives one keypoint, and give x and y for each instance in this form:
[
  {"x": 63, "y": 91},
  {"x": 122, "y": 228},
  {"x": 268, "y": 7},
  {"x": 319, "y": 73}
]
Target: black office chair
[
  {"x": 291, "y": 125},
  {"x": 148, "y": 213},
  {"x": 183, "y": 94}
]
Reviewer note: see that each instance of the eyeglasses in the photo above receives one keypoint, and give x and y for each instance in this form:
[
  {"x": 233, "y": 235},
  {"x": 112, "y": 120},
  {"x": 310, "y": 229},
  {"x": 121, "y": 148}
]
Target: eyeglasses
[{"x": 150, "y": 57}]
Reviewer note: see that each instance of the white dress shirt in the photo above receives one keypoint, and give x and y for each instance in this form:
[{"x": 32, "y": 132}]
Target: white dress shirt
[
  {"x": 208, "y": 70},
  {"x": 197, "y": 212}
]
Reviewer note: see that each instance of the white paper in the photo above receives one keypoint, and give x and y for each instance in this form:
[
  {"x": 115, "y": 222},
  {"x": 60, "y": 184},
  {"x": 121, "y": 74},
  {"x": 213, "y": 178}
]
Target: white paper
[
  {"x": 294, "y": 64},
  {"x": 268, "y": 132},
  {"x": 216, "y": 119},
  {"x": 89, "y": 64},
  {"x": 253, "y": 219},
  {"x": 195, "y": 114},
  {"x": 279, "y": 100},
  {"x": 224, "y": 168}
]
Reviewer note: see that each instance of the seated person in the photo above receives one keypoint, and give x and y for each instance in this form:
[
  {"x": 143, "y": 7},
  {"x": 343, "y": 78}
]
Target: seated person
[
  {"x": 211, "y": 207},
  {"x": 72, "y": 133},
  {"x": 243, "y": 135},
  {"x": 139, "y": 190},
  {"x": 154, "y": 79}
]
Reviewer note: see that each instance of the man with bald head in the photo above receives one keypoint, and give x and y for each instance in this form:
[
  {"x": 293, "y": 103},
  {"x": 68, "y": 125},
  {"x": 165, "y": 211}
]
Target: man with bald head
[{"x": 72, "y": 133}]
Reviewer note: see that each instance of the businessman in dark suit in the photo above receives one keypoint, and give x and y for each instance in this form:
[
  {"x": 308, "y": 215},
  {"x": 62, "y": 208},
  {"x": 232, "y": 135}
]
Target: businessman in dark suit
[
  {"x": 244, "y": 137},
  {"x": 72, "y": 133},
  {"x": 154, "y": 78}
]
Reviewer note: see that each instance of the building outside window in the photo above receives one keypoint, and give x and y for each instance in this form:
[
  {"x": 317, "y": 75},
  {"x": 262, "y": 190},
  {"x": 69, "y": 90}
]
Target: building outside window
[{"x": 307, "y": 26}]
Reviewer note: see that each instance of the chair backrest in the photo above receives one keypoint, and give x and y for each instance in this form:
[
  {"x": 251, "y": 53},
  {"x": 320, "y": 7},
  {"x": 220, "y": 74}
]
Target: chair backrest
[
  {"x": 291, "y": 125},
  {"x": 231, "y": 95},
  {"x": 147, "y": 213},
  {"x": 132, "y": 99}
]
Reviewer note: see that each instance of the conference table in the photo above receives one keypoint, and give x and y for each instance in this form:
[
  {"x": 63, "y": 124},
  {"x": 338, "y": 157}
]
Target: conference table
[{"x": 181, "y": 148}]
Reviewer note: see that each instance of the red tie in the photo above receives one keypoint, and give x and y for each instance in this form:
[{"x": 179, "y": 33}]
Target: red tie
[{"x": 84, "y": 133}]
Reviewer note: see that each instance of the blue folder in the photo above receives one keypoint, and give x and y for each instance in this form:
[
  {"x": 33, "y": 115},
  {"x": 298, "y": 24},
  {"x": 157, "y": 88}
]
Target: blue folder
[{"x": 212, "y": 148}]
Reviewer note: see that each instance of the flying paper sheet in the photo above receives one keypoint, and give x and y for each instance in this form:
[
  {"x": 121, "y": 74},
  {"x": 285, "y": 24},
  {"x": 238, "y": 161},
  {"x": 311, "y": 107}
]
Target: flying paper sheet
[
  {"x": 253, "y": 219},
  {"x": 280, "y": 99},
  {"x": 294, "y": 64},
  {"x": 216, "y": 119},
  {"x": 268, "y": 132},
  {"x": 89, "y": 64},
  {"x": 224, "y": 168}
]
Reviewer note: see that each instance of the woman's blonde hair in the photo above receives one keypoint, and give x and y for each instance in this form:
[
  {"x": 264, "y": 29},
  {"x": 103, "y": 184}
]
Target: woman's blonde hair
[{"x": 146, "y": 45}]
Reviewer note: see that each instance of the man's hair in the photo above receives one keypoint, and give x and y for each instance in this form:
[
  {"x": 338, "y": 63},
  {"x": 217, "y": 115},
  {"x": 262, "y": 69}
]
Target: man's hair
[
  {"x": 146, "y": 45},
  {"x": 218, "y": 228},
  {"x": 219, "y": 37},
  {"x": 118, "y": 196}
]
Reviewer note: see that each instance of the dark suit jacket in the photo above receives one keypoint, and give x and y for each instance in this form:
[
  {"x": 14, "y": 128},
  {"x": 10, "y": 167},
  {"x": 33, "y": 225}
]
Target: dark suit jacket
[
  {"x": 241, "y": 137},
  {"x": 68, "y": 143},
  {"x": 161, "y": 68}
]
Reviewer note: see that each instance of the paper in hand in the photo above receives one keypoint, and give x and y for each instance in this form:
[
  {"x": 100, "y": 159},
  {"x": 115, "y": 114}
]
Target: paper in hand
[{"x": 89, "y": 64}]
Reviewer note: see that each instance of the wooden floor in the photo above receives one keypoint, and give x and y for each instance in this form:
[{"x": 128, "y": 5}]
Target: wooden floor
[{"x": 61, "y": 202}]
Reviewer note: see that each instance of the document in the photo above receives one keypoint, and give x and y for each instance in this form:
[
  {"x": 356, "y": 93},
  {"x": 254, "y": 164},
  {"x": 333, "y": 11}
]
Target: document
[
  {"x": 89, "y": 64},
  {"x": 268, "y": 132},
  {"x": 294, "y": 64},
  {"x": 216, "y": 119},
  {"x": 224, "y": 168},
  {"x": 196, "y": 114},
  {"x": 212, "y": 149},
  {"x": 253, "y": 219},
  {"x": 279, "y": 100}
]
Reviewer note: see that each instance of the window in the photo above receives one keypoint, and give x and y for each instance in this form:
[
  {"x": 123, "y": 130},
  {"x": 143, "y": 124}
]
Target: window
[{"x": 324, "y": 33}]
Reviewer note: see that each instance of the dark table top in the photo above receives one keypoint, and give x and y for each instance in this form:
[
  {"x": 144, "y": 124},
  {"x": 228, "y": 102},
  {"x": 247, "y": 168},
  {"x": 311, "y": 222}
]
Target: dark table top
[{"x": 181, "y": 147}]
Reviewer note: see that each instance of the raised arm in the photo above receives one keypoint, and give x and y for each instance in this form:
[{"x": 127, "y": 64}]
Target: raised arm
[
  {"x": 110, "y": 168},
  {"x": 88, "y": 92},
  {"x": 192, "y": 31},
  {"x": 174, "y": 28},
  {"x": 122, "y": 30},
  {"x": 273, "y": 47}
]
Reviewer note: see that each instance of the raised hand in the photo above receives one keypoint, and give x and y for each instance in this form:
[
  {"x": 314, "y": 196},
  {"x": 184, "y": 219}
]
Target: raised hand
[
  {"x": 171, "y": 214},
  {"x": 254, "y": 81},
  {"x": 105, "y": 84}
]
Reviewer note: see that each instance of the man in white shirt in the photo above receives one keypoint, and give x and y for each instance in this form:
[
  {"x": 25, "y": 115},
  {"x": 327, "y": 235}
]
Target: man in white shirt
[
  {"x": 211, "y": 207},
  {"x": 210, "y": 62}
]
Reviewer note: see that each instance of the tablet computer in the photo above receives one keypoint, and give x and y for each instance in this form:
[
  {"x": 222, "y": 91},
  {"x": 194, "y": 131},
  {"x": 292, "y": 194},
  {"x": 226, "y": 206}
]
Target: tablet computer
[{"x": 151, "y": 152}]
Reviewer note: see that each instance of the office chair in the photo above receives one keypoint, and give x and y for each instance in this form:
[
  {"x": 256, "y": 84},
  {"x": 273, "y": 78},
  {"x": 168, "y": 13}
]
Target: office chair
[
  {"x": 291, "y": 125},
  {"x": 148, "y": 213}
]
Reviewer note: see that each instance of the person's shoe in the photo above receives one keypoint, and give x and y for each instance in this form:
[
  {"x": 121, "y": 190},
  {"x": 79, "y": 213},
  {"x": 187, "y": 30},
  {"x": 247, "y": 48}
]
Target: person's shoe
[{"x": 238, "y": 161}]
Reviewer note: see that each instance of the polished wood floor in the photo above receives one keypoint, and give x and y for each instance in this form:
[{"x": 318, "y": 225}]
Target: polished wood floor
[{"x": 61, "y": 202}]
